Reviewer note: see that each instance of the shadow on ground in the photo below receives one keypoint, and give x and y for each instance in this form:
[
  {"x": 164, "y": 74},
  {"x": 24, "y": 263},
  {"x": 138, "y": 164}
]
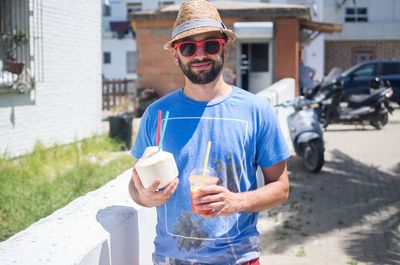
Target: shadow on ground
[{"x": 359, "y": 201}]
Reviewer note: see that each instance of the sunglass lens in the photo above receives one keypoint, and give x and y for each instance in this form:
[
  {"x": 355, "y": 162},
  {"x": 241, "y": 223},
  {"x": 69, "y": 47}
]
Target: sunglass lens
[
  {"x": 188, "y": 49},
  {"x": 211, "y": 47}
]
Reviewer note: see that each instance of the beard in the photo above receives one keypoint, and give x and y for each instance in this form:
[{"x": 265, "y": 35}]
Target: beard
[{"x": 204, "y": 77}]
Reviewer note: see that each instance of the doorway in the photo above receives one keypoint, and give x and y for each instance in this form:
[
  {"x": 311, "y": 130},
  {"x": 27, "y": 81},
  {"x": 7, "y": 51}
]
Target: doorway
[{"x": 255, "y": 66}]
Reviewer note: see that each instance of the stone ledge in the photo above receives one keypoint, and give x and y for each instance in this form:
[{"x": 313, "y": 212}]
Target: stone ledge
[{"x": 101, "y": 227}]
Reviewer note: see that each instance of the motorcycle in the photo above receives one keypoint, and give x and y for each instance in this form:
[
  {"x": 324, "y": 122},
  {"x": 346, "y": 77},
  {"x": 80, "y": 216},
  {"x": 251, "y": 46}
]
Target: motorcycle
[
  {"x": 373, "y": 107},
  {"x": 306, "y": 133}
]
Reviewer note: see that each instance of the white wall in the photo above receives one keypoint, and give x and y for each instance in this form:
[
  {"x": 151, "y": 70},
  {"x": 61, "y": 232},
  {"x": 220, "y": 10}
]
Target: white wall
[
  {"x": 383, "y": 20},
  {"x": 66, "y": 106},
  {"x": 314, "y": 53},
  {"x": 118, "y": 48}
]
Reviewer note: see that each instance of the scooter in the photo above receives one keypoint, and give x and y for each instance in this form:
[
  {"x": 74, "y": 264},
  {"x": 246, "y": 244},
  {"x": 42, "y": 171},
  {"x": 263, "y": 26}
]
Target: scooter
[
  {"x": 306, "y": 133},
  {"x": 373, "y": 107}
]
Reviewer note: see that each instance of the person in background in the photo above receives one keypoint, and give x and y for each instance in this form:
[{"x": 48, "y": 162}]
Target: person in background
[
  {"x": 245, "y": 135},
  {"x": 306, "y": 77}
]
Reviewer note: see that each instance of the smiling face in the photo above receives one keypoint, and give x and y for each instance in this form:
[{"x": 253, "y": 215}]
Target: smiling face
[{"x": 201, "y": 57}]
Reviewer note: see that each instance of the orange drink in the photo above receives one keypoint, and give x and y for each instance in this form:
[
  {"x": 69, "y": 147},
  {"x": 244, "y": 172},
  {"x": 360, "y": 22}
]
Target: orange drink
[{"x": 197, "y": 180}]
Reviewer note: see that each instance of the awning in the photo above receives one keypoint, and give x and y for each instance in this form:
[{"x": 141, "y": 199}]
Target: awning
[
  {"x": 320, "y": 26},
  {"x": 311, "y": 30},
  {"x": 254, "y": 30},
  {"x": 120, "y": 26}
]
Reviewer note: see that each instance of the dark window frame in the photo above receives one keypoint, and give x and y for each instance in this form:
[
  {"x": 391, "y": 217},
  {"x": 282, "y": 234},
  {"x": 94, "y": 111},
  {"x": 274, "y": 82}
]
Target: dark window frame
[
  {"x": 107, "y": 57},
  {"x": 356, "y": 14}
]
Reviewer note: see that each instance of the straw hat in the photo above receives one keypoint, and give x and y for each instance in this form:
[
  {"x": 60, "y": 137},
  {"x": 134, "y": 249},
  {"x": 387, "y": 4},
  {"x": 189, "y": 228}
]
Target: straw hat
[{"x": 195, "y": 17}]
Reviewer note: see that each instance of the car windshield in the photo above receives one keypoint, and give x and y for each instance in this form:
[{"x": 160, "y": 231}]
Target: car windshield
[
  {"x": 348, "y": 71},
  {"x": 332, "y": 75}
]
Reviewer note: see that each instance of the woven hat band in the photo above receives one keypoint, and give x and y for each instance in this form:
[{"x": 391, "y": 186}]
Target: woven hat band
[{"x": 197, "y": 23}]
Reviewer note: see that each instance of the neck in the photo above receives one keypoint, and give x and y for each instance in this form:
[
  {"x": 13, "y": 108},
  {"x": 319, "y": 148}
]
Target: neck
[{"x": 207, "y": 92}]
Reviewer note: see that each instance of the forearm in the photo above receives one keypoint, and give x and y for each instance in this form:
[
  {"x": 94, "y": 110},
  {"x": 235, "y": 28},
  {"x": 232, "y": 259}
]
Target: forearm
[{"x": 271, "y": 195}]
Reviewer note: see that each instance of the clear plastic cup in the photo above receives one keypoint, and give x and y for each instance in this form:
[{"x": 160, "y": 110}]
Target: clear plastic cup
[{"x": 197, "y": 180}]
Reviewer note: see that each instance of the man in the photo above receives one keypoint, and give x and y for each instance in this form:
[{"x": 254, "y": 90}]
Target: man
[
  {"x": 244, "y": 133},
  {"x": 306, "y": 77}
]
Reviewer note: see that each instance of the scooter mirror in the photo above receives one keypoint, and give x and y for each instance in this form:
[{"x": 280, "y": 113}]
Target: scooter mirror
[
  {"x": 337, "y": 84},
  {"x": 376, "y": 83}
]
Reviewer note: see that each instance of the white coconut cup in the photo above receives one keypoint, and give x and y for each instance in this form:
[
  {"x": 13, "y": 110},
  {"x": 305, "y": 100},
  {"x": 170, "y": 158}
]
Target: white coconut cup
[{"x": 156, "y": 164}]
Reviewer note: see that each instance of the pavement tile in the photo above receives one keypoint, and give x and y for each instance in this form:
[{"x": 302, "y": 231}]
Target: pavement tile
[{"x": 349, "y": 213}]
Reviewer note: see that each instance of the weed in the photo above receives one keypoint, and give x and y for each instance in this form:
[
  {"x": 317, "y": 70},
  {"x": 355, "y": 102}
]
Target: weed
[{"x": 301, "y": 252}]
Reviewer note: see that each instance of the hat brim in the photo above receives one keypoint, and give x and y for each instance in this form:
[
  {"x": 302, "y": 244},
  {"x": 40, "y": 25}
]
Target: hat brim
[{"x": 229, "y": 33}]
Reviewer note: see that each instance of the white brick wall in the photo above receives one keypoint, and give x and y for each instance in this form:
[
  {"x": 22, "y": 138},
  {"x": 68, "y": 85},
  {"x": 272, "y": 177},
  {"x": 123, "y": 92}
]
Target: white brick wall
[{"x": 66, "y": 106}]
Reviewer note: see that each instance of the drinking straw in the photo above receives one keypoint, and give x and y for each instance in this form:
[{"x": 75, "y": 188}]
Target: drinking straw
[
  {"x": 163, "y": 130},
  {"x": 158, "y": 127},
  {"x": 206, "y": 160}
]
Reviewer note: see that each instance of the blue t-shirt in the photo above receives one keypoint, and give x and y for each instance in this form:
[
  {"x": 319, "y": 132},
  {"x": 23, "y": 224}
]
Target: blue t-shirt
[{"x": 245, "y": 134}]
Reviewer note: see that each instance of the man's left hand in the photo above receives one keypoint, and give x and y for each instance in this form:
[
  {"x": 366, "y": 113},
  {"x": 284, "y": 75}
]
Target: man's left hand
[{"x": 219, "y": 200}]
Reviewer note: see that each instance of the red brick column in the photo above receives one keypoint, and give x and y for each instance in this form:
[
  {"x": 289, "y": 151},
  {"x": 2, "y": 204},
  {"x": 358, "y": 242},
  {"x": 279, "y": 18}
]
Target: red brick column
[{"x": 287, "y": 49}]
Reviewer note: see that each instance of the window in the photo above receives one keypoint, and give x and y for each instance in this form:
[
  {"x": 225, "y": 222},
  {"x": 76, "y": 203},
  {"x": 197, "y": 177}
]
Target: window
[
  {"x": 356, "y": 14},
  {"x": 106, "y": 10},
  {"x": 390, "y": 68},
  {"x": 131, "y": 62},
  {"x": 106, "y": 57},
  {"x": 259, "y": 57},
  {"x": 365, "y": 71},
  {"x": 133, "y": 7},
  {"x": 361, "y": 54},
  {"x": 21, "y": 39},
  {"x": 165, "y": 3}
]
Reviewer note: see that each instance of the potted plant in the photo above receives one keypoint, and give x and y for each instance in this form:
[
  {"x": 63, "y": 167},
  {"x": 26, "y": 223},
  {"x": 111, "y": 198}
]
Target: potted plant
[{"x": 11, "y": 41}]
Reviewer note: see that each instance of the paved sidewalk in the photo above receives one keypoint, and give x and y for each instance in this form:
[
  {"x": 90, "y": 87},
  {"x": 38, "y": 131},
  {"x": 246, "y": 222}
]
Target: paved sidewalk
[{"x": 349, "y": 213}]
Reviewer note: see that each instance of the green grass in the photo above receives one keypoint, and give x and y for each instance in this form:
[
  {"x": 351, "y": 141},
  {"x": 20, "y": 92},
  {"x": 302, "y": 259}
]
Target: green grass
[
  {"x": 301, "y": 252},
  {"x": 35, "y": 185}
]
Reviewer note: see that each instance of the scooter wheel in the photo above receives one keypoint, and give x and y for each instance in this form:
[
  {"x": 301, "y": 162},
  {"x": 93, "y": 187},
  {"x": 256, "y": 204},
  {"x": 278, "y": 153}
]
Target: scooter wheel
[
  {"x": 381, "y": 121},
  {"x": 314, "y": 156}
]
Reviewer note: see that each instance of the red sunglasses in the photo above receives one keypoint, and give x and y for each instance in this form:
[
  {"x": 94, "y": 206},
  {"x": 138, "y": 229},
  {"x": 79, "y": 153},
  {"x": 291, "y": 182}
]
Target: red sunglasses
[{"x": 190, "y": 48}]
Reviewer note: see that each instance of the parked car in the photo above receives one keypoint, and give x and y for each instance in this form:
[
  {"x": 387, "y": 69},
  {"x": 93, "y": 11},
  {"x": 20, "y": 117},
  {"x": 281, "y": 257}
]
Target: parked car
[{"x": 357, "y": 78}]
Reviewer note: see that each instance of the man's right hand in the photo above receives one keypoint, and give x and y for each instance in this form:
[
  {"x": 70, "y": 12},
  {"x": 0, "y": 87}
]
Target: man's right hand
[{"x": 151, "y": 196}]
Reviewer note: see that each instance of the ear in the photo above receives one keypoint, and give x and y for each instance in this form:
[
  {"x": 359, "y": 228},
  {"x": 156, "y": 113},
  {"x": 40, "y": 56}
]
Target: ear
[
  {"x": 226, "y": 51},
  {"x": 174, "y": 55}
]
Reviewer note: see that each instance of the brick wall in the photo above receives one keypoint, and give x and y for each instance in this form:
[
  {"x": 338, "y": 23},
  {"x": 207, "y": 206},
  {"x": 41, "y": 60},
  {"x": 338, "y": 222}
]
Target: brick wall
[
  {"x": 66, "y": 106},
  {"x": 341, "y": 53}
]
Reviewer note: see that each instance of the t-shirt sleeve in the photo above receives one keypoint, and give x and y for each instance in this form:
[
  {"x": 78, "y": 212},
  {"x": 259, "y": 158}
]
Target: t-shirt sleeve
[
  {"x": 271, "y": 144},
  {"x": 144, "y": 136}
]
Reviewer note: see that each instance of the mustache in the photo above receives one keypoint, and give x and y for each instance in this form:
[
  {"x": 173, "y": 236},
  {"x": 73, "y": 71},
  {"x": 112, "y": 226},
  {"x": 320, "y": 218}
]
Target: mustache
[{"x": 205, "y": 60}]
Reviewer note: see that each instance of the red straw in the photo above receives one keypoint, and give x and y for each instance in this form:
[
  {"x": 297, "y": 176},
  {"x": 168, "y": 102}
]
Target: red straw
[{"x": 158, "y": 128}]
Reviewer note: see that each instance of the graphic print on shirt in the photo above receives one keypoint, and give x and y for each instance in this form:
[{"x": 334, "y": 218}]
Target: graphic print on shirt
[{"x": 228, "y": 137}]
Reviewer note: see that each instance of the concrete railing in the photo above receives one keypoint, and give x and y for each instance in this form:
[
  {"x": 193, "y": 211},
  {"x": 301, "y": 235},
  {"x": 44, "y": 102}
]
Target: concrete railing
[
  {"x": 104, "y": 227},
  {"x": 277, "y": 93}
]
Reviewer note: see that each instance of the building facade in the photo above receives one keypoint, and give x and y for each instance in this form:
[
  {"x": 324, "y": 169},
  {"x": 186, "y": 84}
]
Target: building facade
[
  {"x": 64, "y": 104},
  {"x": 118, "y": 39},
  {"x": 371, "y": 30},
  {"x": 267, "y": 49}
]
